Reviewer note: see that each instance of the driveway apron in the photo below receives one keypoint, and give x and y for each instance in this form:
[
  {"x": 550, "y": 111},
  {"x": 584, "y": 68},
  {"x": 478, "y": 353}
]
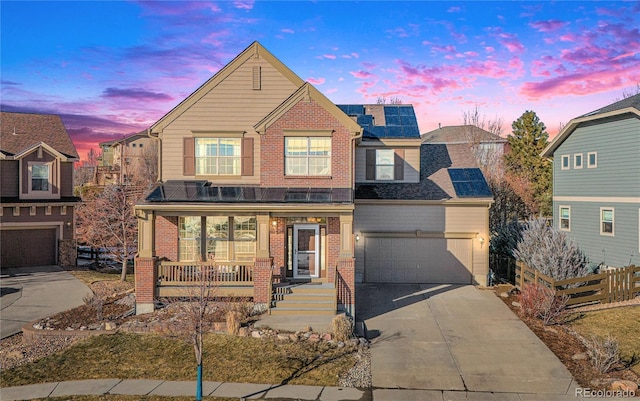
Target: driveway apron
[
  {"x": 448, "y": 337},
  {"x": 33, "y": 293}
]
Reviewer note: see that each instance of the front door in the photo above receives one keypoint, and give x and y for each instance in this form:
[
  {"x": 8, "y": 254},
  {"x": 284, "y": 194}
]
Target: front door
[{"x": 306, "y": 255}]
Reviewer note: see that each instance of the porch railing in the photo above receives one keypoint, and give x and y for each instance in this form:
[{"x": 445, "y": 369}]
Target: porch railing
[{"x": 190, "y": 273}]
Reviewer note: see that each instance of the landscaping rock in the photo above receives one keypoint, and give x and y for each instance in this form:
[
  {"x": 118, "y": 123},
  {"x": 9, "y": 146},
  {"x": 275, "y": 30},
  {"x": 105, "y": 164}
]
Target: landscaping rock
[
  {"x": 293, "y": 337},
  {"x": 624, "y": 385},
  {"x": 256, "y": 334},
  {"x": 243, "y": 332},
  {"x": 110, "y": 326},
  {"x": 314, "y": 338},
  {"x": 516, "y": 304},
  {"x": 308, "y": 329},
  {"x": 283, "y": 337},
  {"x": 326, "y": 337},
  {"x": 581, "y": 356}
]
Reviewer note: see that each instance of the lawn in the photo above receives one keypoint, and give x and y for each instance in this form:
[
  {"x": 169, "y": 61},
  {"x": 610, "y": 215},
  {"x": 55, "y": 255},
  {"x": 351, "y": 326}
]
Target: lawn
[
  {"x": 226, "y": 359},
  {"x": 622, "y": 323}
]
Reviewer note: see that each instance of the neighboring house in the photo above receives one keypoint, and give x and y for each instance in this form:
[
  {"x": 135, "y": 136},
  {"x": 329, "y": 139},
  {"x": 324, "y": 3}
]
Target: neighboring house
[
  {"x": 596, "y": 182},
  {"x": 125, "y": 161},
  {"x": 266, "y": 193},
  {"x": 487, "y": 147},
  {"x": 36, "y": 170}
]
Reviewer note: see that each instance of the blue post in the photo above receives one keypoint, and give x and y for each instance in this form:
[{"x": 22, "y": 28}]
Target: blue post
[{"x": 199, "y": 384}]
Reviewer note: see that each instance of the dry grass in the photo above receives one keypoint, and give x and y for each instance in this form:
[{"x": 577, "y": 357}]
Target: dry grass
[
  {"x": 88, "y": 276},
  {"x": 226, "y": 359},
  {"x": 621, "y": 323},
  {"x": 112, "y": 397}
]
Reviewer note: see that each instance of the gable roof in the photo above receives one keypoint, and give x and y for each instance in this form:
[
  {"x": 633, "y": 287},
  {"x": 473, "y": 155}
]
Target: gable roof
[
  {"x": 255, "y": 49},
  {"x": 308, "y": 91},
  {"x": 439, "y": 165},
  {"x": 394, "y": 121},
  {"x": 461, "y": 134},
  {"x": 127, "y": 139},
  {"x": 630, "y": 105},
  {"x": 23, "y": 131}
]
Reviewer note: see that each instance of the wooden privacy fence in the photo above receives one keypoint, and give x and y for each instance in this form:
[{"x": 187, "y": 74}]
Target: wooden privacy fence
[{"x": 615, "y": 285}]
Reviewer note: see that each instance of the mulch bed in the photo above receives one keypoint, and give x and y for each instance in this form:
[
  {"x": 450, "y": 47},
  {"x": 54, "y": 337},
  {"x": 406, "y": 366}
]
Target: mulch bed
[{"x": 564, "y": 344}]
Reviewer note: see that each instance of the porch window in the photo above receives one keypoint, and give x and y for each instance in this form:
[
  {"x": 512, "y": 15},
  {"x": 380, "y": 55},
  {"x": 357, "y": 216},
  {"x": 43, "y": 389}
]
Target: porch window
[
  {"x": 189, "y": 238},
  {"x": 217, "y": 238},
  {"x": 40, "y": 177},
  {"x": 218, "y": 156},
  {"x": 244, "y": 237},
  {"x": 308, "y": 156}
]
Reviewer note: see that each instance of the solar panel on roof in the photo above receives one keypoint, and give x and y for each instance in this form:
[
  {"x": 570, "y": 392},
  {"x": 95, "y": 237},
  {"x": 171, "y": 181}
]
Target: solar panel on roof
[
  {"x": 409, "y": 120},
  {"x": 391, "y": 111},
  {"x": 469, "y": 182},
  {"x": 412, "y": 132},
  {"x": 406, "y": 111},
  {"x": 393, "y": 120}
]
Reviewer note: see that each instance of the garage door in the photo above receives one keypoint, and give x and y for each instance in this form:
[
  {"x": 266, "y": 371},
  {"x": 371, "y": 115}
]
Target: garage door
[
  {"x": 418, "y": 260},
  {"x": 34, "y": 247}
]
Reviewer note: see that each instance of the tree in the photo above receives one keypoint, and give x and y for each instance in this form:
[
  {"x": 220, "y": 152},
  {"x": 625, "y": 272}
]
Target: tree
[
  {"x": 147, "y": 169},
  {"x": 528, "y": 140},
  {"x": 489, "y": 159},
  {"x": 106, "y": 221}
]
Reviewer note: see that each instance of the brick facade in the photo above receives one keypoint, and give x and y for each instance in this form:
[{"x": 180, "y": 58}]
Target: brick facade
[
  {"x": 306, "y": 115},
  {"x": 346, "y": 285},
  {"x": 166, "y": 237},
  {"x": 261, "y": 280},
  {"x": 145, "y": 281}
]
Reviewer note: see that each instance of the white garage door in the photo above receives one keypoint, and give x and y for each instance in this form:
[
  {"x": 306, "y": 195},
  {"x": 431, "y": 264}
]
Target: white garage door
[{"x": 418, "y": 260}]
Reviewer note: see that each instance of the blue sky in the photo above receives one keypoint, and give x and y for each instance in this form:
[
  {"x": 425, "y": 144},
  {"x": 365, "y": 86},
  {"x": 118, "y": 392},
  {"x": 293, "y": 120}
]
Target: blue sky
[{"x": 112, "y": 68}]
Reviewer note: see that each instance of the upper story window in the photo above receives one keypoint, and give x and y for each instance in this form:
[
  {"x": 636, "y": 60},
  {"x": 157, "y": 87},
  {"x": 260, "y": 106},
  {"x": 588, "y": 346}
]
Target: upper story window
[
  {"x": 218, "y": 156},
  {"x": 565, "y": 218},
  {"x": 565, "y": 162},
  {"x": 577, "y": 160},
  {"x": 385, "y": 164},
  {"x": 592, "y": 159},
  {"x": 307, "y": 156},
  {"x": 40, "y": 173},
  {"x": 606, "y": 221}
]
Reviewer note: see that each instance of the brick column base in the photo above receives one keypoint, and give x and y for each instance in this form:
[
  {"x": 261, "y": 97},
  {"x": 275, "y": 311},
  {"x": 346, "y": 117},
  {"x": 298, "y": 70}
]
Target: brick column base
[
  {"x": 262, "y": 282},
  {"x": 346, "y": 286},
  {"x": 145, "y": 278}
]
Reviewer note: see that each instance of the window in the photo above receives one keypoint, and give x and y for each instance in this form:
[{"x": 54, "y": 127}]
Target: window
[
  {"x": 577, "y": 160},
  {"x": 40, "y": 177},
  {"x": 140, "y": 145},
  {"x": 225, "y": 238},
  {"x": 592, "y": 159},
  {"x": 218, "y": 237},
  {"x": 606, "y": 221},
  {"x": 307, "y": 156},
  {"x": 565, "y": 162},
  {"x": 244, "y": 237},
  {"x": 217, "y": 156},
  {"x": 133, "y": 145},
  {"x": 385, "y": 164},
  {"x": 189, "y": 238},
  {"x": 565, "y": 218}
]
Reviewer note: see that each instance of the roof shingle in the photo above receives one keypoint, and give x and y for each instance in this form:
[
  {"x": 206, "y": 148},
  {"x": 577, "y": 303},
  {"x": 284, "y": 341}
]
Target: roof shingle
[{"x": 20, "y": 131}]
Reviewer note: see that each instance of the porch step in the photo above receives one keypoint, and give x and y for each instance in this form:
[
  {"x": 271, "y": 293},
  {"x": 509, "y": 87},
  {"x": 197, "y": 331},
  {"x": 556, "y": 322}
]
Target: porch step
[
  {"x": 304, "y": 299},
  {"x": 296, "y": 311}
]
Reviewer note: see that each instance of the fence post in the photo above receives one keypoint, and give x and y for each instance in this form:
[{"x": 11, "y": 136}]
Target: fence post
[
  {"x": 607, "y": 287},
  {"x": 536, "y": 278}
]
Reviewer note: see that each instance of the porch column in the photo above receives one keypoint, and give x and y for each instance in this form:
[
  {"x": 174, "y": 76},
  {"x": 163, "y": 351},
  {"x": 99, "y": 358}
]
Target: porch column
[
  {"x": 346, "y": 266},
  {"x": 146, "y": 227},
  {"x": 262, "y": 248},
  {"x": 262, "y": 282},
  {"x": 145, "y": 263}
]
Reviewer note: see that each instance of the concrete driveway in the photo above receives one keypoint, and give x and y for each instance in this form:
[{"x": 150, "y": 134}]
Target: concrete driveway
[
  {"x": 32, "y": 293},
  {"x": 447, "y": 337}
]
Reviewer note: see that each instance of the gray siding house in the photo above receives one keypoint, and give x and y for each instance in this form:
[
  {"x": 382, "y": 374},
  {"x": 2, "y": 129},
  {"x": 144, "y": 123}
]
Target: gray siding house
[{"x": 596, "y": 182}]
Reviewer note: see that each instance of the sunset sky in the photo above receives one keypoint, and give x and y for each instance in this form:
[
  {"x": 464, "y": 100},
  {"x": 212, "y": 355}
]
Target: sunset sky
[{"x": 111, "y": 68}]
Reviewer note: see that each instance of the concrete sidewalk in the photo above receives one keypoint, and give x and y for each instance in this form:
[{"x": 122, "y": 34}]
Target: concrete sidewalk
[
  {"x": 180, "y": 388},
  {"x": 32, "y": 293},
  {"x": 248, "y": 391}
]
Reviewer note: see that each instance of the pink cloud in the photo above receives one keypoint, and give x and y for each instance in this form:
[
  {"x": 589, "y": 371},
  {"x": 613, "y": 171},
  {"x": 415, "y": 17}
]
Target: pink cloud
[
  {"x": 329, "y": 56},
  {"x": 243, "y": 4},
  {"x": 331, "y": 90},
  {"x": 548, "y": 25},
  {"x": 362, "y": 74},
  {"x": 287, "y": 30},
  {"x": 315, "y": 81},
  {"x": 511, "y": 42},
  {"x": 569, "y": 37}
]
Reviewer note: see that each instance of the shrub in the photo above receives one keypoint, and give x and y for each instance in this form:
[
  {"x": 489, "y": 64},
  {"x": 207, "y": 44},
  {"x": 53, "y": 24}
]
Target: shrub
[
  {"x": 540, "y": 302},
  {"x": 96, "y": 300},
  {"x": 550, "y": 251},
  {"x": 233, "y": 322},
  {"x": 342, "y": 327},
  {"x": 604, "y": 353}
]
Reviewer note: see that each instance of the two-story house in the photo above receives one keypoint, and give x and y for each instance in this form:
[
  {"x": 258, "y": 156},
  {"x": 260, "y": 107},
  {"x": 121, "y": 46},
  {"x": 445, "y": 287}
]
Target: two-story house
[
  {"x": 596, "y": 182},
  {"x": 258, "y": 172},
  {"x": 36, "y": 185},
  {"x": 126, "y": 161}
]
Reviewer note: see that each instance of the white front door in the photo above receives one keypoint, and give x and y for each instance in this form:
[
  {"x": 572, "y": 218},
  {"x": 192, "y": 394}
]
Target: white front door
[{"x": 306, "y": 255}]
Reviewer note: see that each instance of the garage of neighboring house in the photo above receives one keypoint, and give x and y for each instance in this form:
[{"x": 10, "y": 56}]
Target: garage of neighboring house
[
  {"x": 29, "y": 247},
  {"x": 418, "y": 260}
]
